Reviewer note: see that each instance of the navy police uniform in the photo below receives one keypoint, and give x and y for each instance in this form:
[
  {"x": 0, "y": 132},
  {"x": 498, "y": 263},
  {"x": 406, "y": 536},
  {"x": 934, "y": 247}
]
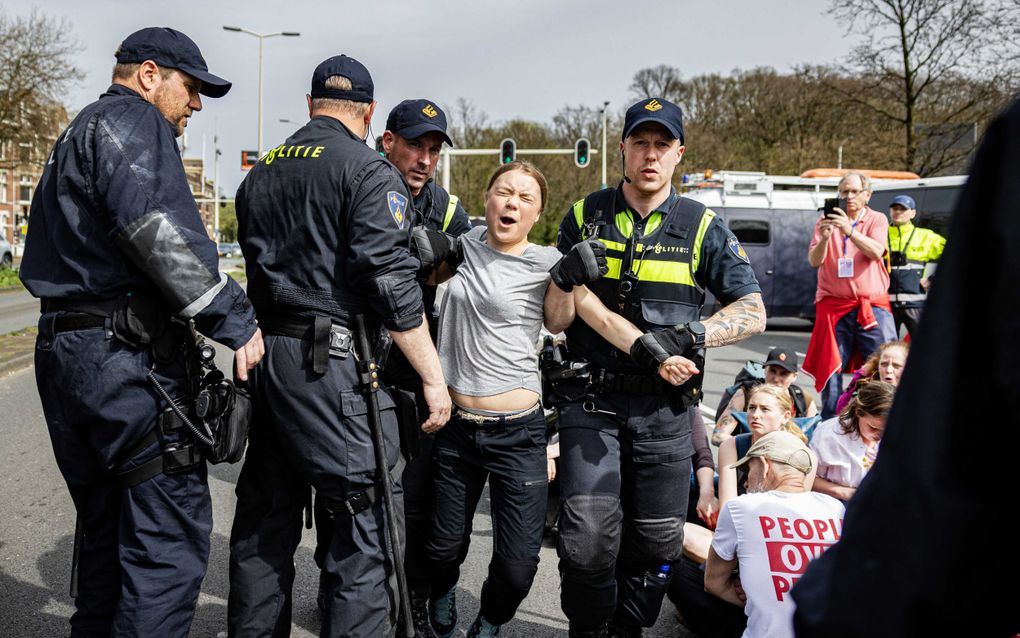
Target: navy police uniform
[
  {"x": 621, "y": 526},
  {"x": 435, "y": 209},
  {"x": 324, "y": 224},
  {"x": 114, "y": 226}
]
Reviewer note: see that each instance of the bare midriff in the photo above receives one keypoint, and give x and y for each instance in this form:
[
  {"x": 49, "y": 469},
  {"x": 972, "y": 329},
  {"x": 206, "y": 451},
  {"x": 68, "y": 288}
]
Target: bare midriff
[{"x": 517, "y": 399}]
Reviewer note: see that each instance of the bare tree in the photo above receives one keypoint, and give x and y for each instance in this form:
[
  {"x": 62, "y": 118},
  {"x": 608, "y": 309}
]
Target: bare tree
[
  {"x": 932, "y": 68},
  {"x": 36, "y": 70},
  {"x": 658, "y": 81}
]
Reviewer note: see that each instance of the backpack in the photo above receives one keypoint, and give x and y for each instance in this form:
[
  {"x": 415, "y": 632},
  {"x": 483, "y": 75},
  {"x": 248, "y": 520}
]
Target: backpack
[{"x": 752, "y": 374}]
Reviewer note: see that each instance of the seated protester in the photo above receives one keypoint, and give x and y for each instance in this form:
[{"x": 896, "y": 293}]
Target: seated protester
[
  {"x": 780, "y": 370},
  {"x": 769, "y": 409},
  {"x": 489, "y": 325},
  {"x": 848, "y": 444},
  {"x": 758, "y": 533},
  {"x": 885, "y": 364}
]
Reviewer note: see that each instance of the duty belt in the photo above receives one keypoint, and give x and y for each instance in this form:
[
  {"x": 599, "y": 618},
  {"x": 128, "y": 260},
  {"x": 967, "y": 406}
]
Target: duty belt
[
  {"x": 85, "y": 314},
  {"x": 329, "y": 338},
  {"x": 632, "y": 384}
]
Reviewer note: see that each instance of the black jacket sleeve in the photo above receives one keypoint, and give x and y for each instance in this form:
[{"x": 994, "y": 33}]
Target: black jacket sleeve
[
  {"x": 379, "y": 262},
  {"x": 140, "y": 180}
]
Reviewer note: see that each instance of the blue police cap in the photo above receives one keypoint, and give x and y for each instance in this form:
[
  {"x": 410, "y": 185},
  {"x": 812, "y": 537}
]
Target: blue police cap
[
  {"x": 362, "y": 89},
  {"x": 906, "y": 201},
  {"x": 171, "y": 49},
  {"x": 657, "y": 110},
  {"x": 413, "y": 118}
]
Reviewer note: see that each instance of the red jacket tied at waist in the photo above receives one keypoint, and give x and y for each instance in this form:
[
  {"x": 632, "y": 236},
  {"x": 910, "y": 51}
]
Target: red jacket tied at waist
[{"x": 823, "y": 360}]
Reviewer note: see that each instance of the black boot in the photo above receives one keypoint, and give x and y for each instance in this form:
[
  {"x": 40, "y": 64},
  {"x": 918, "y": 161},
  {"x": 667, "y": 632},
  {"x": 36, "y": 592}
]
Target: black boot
[
  {"x": 600, "y": 632},
  {"x": 621, "y": 630},
  {"x": 420, "y": 617}
]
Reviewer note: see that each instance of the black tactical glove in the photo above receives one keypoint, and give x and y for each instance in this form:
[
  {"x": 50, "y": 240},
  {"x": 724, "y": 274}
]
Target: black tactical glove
[
  {"x": 585, "y": 263},
  {"x": 433, "y": 248},
  {"x": 652, "y": 348}
]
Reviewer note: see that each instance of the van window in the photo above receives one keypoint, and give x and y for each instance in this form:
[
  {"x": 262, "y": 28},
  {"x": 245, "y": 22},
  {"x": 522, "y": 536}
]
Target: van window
[
  {"x": 751, "y": 232},
  {"x": 938, "y": 207}
]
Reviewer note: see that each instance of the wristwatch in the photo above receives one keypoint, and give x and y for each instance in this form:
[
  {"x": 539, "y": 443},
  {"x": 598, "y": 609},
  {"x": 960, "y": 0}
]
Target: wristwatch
[{"x": 696, "y": 330}]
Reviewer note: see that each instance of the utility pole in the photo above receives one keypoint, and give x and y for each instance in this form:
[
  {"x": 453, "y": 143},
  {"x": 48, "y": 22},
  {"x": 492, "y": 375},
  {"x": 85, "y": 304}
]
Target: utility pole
[{"x": 605, "y": 108}]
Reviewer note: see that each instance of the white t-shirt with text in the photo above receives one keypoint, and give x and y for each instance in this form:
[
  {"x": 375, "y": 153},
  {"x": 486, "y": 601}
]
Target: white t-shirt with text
[{"x": 774, "y": 536}]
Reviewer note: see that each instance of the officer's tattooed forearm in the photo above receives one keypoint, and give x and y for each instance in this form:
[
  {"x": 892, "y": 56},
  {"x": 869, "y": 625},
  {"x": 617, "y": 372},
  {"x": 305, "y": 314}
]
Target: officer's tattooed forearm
[{"x": 741, "y": 319}]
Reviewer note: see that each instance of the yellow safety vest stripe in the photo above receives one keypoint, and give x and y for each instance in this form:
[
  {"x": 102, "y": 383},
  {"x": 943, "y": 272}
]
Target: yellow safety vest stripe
[
  {"x": 706, "y": 220},
  {"x": 451, "y": 208}
]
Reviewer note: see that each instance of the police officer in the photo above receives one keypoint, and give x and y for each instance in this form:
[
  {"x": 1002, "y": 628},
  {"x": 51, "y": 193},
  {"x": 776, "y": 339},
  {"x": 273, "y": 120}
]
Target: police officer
[
  {"x": 414, "y": 137},
  {"x": 624, "y": 445},
  {"x": 324, "y": 223},
  {"x": 911, "y": 249},
  {"x": 116, "y": 248}
]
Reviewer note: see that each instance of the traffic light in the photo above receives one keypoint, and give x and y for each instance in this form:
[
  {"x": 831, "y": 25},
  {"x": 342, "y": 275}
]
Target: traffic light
[
  {"x": 379, "y": 146},
  {"x": 507, "y": 151},
  {"x": 582, "y": 152}
]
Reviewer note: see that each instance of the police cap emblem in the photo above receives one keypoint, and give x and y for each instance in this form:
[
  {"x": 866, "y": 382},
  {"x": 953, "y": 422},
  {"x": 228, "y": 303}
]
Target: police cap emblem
[
  {"x": 653, "y": 105},
  {"x": 398, "y": 207},
  {"x": 430, "y": 110}
]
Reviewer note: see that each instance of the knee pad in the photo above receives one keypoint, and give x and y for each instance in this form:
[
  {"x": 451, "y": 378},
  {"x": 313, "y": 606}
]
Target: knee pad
[
  {"x": 513, "y": 575},
  {"x": 651, "y": 542},
  {"x": 589, "y": 538},
  {"x": 444, "y": 551}
]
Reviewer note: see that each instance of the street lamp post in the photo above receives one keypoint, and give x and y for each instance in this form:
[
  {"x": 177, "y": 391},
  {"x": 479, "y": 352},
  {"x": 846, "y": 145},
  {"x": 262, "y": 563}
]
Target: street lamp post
[
  {"x": 261, "y": 37},
  {"x": 604, "y": 153}
]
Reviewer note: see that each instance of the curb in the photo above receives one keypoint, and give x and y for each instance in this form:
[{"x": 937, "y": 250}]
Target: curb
[{"x": 16, "y": 363}]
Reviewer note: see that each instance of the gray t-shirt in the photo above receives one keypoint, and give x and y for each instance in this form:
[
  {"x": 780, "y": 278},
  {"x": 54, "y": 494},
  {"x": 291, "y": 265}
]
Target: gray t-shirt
[{"x": 491, "y": 317}]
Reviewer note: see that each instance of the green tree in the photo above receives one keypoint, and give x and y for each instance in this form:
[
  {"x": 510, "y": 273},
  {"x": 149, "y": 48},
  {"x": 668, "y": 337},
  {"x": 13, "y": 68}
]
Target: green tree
[{"x": 228, "y": 222}]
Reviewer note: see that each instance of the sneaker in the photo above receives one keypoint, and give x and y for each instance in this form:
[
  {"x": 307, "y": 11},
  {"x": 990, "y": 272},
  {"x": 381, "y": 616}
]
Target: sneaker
[
  {"x": 420, "y": 618},
  {"x": 482, "y": 628},
  {"x": 443, "y": 614}
]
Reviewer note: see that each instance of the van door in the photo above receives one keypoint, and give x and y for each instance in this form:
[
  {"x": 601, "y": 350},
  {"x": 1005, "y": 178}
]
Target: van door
[
  {"x": 753, "y": 228},
  {"x": 796, "y": 280}
]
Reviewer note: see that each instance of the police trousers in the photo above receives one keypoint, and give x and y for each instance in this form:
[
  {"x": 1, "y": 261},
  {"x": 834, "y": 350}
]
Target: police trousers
[
  {"x": 624, "y": 474},
  {"x": 310, "y": 430},
  {"x": 145, "y": 547},
  {"x": 512, "y": 456},
  {"x": 416, "y": 481}
]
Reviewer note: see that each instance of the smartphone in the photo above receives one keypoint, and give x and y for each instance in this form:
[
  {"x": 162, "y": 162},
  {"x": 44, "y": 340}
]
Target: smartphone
[{"x": 833, "y": 203}]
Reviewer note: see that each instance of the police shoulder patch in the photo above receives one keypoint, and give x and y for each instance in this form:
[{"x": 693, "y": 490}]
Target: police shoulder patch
[
  {"x": 737, "y": 249},
  {"x": 398, "y": 207}
]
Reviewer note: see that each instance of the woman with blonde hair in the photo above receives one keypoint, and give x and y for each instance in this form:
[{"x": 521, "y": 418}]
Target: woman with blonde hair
[{"x": 769, "y": 409}]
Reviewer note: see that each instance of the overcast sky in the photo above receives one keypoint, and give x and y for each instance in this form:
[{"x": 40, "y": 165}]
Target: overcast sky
[{"x": 520, "y": 58}]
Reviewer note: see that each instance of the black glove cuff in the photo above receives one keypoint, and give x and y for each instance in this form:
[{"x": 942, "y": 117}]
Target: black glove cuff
[{"x": 647, "y": 352}]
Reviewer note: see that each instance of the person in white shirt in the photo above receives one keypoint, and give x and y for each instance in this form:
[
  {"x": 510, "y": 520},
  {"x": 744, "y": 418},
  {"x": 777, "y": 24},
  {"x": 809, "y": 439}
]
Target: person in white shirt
[
  {"x": 847, "y": 446},
  {"x": 765, "y": 539}
]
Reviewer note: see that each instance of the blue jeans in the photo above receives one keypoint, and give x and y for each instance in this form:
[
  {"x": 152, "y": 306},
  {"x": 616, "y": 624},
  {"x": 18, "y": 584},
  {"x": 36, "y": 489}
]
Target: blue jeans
[{"x": 850, "y": 336}]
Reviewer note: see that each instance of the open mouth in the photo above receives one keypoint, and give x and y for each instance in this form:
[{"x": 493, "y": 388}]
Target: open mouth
[{"x": 506, "y": 220}]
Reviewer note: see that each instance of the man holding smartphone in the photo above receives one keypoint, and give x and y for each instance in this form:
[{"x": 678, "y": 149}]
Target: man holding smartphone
[{"x": 852, "y": 312}]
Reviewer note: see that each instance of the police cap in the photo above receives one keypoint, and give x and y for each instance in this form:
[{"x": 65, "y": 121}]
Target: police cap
[
  {"x": 171, "y": 49},
  {"x": 657, "y": 110},
  {"x": 906, "y": 201},
  {"x": 413, "y": 118},
  {"x": 362, "y": 89}
]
